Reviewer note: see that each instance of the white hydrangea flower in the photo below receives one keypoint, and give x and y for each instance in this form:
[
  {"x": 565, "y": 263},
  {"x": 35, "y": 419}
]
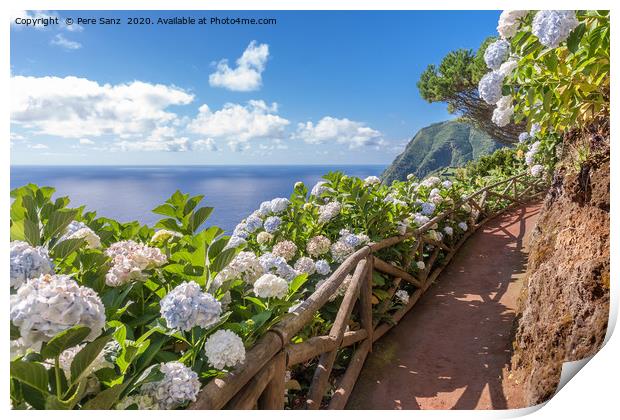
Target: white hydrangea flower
[
  {"x": 536, "y": 170},
  {"x": 402, "y": 296},
  {"x": 420, "y": 219},
  {"x": 270, "y": 285},
  {"x": 531, "y": 153},
  {"x": 448, "y": 230},
  {"x": 508, "y": 67},
  {"x": 141, "y": 401},
  {"x": 129, "y": 260},
  {"x": 322, "y": 267},
  {"x": 552, "y": 27},
  {"x": 535, "y": 129},
  {"x": 224, "y": 348},
  {"x": 235, "y": 242},
  {"x": 372, "y": 180},
  {"x": 49, "y": 304},
  {"x": 264, "y": 237},
  {"x": 340, "y": 250},
  {"x": 305, "y": 265},
  {"x": 446, "y": 184},
  {"x": 66, "y": 358},
  {"x": 18, "y": 348},
  {"x": 279, "y": 205},
  {"x": 490, "y": 87},
  {"x": 246, "y": 266},
  {"x": 164, "y": 235},
  {"x": 320, "y": 188},
  {"x": 187, "y": 306},
  {"x": 79, "y": 230},
  {"x": 503, "y": 111},
  {"x": 431, "y": 181},
  {"x": 329, "y": 211},
  {"x": 496, "y": 53},
  {"x": 402, "y": 227},
  {"x": 420, "y": 265},
  {"x": 285, "y": 249},
  {"x": 179, "y": 385},
  {"x": 28, "y": 262},
  {"x": 463, "y": 226},
  {"x": 318, "y": 245},
  {"x": 508, "y": 23}
]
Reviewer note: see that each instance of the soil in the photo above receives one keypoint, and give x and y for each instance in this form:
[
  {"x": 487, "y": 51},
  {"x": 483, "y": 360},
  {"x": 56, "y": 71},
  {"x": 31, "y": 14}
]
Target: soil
[
  {"x": 453, "y": 350},
  {"x": 564, "y": 306}
]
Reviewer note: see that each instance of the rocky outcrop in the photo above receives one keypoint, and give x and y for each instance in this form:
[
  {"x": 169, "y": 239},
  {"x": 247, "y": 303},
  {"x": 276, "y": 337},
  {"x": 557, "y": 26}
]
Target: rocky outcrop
[{"x": 565, "y": 302}]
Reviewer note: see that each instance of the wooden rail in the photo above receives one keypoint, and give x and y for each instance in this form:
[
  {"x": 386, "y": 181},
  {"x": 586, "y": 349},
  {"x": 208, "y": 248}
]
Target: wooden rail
[{"x": 259, "y": 381}]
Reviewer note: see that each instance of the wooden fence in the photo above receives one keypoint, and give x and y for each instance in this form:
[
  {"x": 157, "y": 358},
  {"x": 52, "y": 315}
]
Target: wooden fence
[{"x": 260, "y": 381}]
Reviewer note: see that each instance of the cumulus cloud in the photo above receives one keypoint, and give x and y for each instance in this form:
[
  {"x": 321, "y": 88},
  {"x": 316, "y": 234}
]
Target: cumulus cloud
[
  {"x": 340, "y": 130},
  {"x": 247, "y": 76},
  {"x": 237, "y": 123},
  {"x": 73, "y": 107},
  {"x": 205, "y": 144},
  {"x": 60, "y": 41},
  {"x": 38, "y": 146},
  {"x": 86, "y": 142}
]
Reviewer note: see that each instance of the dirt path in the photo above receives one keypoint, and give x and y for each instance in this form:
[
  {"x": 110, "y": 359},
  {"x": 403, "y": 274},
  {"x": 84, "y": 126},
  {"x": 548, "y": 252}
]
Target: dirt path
[{"x": 452, "y": 350}]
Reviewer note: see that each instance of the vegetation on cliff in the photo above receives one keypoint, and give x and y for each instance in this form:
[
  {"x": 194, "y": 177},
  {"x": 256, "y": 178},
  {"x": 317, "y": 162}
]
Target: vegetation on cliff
[{"x": 441, "y": 145}]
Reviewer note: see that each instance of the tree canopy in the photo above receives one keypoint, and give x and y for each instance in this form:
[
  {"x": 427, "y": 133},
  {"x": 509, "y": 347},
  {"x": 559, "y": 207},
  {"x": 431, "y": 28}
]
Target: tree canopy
[{"x": 455, "y": 82}]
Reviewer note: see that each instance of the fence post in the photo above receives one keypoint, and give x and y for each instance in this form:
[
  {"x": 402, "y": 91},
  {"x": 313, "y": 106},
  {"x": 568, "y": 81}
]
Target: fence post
[
  {"x": 273, "y": 396},
  {"x": 366, "y": 300}
]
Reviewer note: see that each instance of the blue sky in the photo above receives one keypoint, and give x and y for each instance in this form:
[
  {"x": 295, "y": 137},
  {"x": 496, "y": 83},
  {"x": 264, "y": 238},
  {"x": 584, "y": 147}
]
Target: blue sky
[{"x": 316, "y": 87}]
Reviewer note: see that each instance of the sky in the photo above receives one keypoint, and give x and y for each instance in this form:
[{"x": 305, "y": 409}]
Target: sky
[{"x": 313, "y": 88}]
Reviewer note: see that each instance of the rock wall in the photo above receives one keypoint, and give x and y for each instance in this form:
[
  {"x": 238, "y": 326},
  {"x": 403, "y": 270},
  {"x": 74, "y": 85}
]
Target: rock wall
[{"x": 565, "y": 302}]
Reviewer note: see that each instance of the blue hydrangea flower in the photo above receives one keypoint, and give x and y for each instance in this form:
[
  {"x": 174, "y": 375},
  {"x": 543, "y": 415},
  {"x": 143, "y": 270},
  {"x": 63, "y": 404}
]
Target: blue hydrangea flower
[
  {"x": 552, "y": 27},
  {"x": 428, "y": 209},
  {"x": 187, "y": 306},
  {"x": 272, "y": 224},
  {"x": 253, "y": 223},
  {"x": 277, "y": 264},
  {"x": 496, "y": 53},
  {"x": 322, "y": 267},
  {"x": 490, "y": 87}
]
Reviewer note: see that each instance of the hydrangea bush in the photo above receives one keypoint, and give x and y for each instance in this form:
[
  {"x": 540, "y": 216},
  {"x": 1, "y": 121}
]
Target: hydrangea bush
[
  {"x": 556, "y": 76},
  {"x": 125, "y": 315}
]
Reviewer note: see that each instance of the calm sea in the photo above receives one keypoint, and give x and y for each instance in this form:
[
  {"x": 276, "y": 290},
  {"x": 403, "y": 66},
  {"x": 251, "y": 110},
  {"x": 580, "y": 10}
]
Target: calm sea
[{"x": 128, "y": 193}]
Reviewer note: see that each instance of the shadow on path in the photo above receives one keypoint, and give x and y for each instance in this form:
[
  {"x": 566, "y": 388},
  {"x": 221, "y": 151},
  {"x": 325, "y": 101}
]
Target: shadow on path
[{"x": 451, "y": 351}]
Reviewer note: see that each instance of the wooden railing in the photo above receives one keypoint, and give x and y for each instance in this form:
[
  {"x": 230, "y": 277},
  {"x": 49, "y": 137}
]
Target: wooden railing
[{"x": 260, "y": 381}]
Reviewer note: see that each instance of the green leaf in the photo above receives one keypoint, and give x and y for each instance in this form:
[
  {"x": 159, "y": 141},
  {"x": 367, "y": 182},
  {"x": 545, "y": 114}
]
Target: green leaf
[
  {"x": 222, "y": 260},
  {"x": 63, "y": 341},
  {"x": 169, "y": 224},
  {"x": 31, "y": 232},
  {"x": 198, "y": 218},
  {"x": 30, "y": 373},
  {"x": 165, "y": 210},
  {"x": 58, "y": 222},
  {"x": 256, "y": 301},
  {"x": 106, "y": 399},
  {"x": 297, "y": 283},
  {"x": 85, "y": 358},
  {"x": 66, "y": 247}
]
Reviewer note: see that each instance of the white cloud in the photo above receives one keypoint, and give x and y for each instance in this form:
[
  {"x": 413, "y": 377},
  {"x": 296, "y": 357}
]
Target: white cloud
[
  {"x": 247, "y": 76},
  {"x": 60, "y": 41},
  {"x": 86, "y": 142},
  {"x": 340, "y": 130},
  {"x": 239, "y": 123},
  {"x": 38, "y": 146},
  {"x": 205, "y": 144},
  {"x": 172, "y": 145},
  {"x": 73, "y": 107}
]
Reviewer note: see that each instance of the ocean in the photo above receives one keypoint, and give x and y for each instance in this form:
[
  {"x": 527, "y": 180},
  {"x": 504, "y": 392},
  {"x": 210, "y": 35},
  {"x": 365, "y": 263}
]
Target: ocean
[{"x": 127, "y": 193}]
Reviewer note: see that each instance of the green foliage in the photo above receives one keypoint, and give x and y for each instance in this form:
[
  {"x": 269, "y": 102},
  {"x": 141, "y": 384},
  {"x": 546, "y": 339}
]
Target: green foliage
[
  {"x": 566, "y": 87},
  {"x": 450, "y": 143}
]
